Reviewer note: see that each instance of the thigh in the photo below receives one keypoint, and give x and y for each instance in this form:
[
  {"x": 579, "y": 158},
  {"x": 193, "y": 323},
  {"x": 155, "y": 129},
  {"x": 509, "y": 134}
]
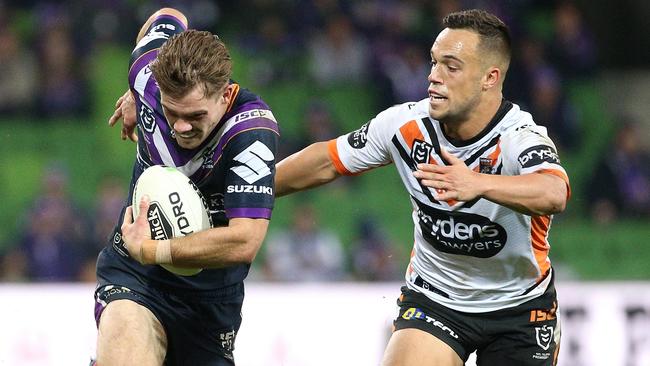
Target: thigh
[
  {"x": 202, "y": 333},
  {"x": 527, "y": 335},
  {"x": 415, "y": 347},
  {"x": 129, "y": 334},
  {"x": 448, "y": 332}
]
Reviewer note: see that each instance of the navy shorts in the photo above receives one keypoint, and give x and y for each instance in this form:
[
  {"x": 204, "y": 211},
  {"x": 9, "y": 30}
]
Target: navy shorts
[
  {"x": 200, "y": 331},
  {"x": 524, "y": 335}
]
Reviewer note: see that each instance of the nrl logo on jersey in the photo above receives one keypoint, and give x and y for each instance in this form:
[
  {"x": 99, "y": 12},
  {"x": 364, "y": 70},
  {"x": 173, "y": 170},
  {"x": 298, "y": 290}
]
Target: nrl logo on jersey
[
  {"x": 148, "y": 119},
  {"x": 421, "y": 151},
  {"x": 359, "y": 138}
]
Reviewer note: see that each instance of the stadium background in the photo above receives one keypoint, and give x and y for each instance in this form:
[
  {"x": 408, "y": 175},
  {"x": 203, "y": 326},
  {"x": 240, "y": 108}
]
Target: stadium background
[{"x": 582, "y": 68}]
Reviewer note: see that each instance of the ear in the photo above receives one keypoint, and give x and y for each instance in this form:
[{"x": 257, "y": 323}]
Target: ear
[
  {"x": 228, "y": 93},
  {"x": 491, "y": 78}
]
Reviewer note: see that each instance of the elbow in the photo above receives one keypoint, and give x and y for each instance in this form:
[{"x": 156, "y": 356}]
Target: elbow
[
  {"x": 248, "y": 253},
  {"x": 248, "y": 250},
  {"x": 557, "y": 206},
  {"x": 553, "y": 204}
]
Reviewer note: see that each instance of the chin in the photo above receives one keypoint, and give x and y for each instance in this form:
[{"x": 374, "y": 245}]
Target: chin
[
  {"x": 436, "y": 114},
  {"x": 188, "y": 144}
]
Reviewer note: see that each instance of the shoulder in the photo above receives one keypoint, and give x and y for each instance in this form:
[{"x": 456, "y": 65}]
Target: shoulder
[
  {"x": 406, "y": 110},
  {"x": 518, "y": 127},
  {"x": 249, "y": 111}
]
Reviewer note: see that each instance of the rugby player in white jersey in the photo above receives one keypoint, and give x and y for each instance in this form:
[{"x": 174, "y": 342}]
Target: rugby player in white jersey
[{"x": 484, "y": 181}]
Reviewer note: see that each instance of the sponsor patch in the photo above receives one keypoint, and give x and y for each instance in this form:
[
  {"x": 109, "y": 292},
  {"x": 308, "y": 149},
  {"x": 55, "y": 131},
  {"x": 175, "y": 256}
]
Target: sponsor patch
[
  {"x": 537, "y": 155},
  {"x": 417, "y": 313},
  {"x": 253, "y": 162},
  {"x": 359, "y": 138},
  {"x": 461, "y": 233},
  {"x": 255, "y": 113},
  {"x": 248, "y": 188},
  {"x": 485, "y": 166}
]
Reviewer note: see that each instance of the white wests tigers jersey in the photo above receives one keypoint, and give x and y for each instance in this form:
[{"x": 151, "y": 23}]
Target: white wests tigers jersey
[{"x": 474, "y": 256}]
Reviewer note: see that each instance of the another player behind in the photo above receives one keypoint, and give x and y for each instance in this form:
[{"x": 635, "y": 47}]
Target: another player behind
[
  {"x": 191, "y": 116},
  {"x": 484, "y": 181}
]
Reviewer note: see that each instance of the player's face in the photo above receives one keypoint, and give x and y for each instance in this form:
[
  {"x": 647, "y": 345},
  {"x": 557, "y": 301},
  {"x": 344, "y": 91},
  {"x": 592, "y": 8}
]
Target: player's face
[
  {"x": 455, "y": 77},
  {"x": 194, "y": 116}
]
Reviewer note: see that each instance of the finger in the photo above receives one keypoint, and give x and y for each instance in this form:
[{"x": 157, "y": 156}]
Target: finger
[
  {"x": 133, "y": 136},
  {"x": 115, "y": 117},
  {"x": 445, "y": 195},
  {"x": 430, "y": 168},
  {"x": 438, "y": 174},
  {"x": 449, "y": 158},
  {"x": 435, "y": 184},
  {"x": 119, "y": 101},
  {"x": 128, "y": 217}
]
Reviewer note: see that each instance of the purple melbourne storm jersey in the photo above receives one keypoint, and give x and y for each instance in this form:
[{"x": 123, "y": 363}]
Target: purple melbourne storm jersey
[{"x": 234, "y": 167}]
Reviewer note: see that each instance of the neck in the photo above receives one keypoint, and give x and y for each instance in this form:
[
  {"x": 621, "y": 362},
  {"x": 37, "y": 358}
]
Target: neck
[{"x": 475, "y": 121}]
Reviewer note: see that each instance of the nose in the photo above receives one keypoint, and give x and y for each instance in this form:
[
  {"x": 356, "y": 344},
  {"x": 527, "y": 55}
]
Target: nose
[
  {"x": 181, "y": 126},
  {"x": 434, "y": 75}
]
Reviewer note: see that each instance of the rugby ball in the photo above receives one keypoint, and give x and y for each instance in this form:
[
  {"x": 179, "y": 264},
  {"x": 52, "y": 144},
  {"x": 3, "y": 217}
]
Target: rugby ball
[{"x": 176, "y": 207}]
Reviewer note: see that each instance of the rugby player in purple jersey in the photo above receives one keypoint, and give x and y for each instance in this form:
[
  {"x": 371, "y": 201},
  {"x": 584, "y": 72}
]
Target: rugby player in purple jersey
[{"x": 190, "y": 115}]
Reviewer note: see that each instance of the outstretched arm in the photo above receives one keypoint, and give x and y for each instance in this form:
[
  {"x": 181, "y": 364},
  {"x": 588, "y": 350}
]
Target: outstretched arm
[
  {"x": 309, "y": 167},
  {"x": 164, "y": 11},
  {"x": 531, "y": 194},
  {"x": 125, "y": 105}
]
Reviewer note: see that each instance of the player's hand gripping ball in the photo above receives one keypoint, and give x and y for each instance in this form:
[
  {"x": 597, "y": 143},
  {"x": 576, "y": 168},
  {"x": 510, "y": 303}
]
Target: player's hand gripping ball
[{"x": 176, "y": 208}]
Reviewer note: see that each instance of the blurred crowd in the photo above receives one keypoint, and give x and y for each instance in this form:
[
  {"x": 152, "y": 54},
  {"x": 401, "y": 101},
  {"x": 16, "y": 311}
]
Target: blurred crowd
[{"x": 46, "y": 48}]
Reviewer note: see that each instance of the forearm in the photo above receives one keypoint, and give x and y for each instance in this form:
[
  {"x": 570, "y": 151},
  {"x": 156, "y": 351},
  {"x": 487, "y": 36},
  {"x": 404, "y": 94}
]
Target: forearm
[
  {"x": 163, "y": 11},
  {"x": 219, "y": 247},
  {"x": 310, "y": 167},
  {"x": 532, "y": 194}
]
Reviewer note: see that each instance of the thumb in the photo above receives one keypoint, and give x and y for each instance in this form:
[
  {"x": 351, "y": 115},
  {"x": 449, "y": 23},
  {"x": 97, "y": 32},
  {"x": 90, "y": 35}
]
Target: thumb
[{"x": 143, "y": 208}]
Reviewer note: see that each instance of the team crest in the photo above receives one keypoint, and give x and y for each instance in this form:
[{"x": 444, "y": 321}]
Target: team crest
[
  {"x": 544, "y": 335},
  {"x": 421, "y": 151}
]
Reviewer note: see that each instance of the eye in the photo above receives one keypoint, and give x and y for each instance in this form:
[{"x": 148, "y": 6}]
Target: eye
[{"x": 433, "y": 63}]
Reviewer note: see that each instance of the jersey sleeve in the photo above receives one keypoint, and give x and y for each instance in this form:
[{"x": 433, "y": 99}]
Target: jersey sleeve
[
  {"x": 529, "y": 150},
  {"x": 160, "y": 30},
  {"x": 250, "y": 172},
  {"x": 365, "y": 148}
]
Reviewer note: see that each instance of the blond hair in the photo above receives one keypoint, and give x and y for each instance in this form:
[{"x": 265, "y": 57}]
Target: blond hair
[{"x": 189, "y": 59}]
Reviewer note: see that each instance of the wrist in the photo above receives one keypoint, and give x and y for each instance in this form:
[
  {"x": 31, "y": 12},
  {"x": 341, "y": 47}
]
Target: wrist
[{"x": 156, "y": 252}]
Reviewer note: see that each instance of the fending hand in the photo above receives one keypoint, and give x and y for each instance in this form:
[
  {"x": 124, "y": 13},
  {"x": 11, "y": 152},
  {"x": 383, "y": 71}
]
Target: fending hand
[
  {"x": 451, "y": 182},
  {"x": 125, "y": 110}
]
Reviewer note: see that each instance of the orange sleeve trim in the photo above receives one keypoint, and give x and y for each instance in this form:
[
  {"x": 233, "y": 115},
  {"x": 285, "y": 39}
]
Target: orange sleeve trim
[
  {"x": 336, "y": 160},
  {"x": 561, "y": 174},
  {"x": 538, "y": 233}
]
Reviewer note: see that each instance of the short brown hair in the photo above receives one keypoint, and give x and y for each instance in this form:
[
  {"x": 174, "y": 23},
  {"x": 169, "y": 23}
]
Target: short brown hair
[
  {"x": 189, "y": 59},
  {"x": 493, "y": 32}
]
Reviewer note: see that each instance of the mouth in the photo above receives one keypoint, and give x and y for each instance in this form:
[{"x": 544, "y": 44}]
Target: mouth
[
  {"x": 187, "y": 136},
  {"x": 435, "y": 96}
]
